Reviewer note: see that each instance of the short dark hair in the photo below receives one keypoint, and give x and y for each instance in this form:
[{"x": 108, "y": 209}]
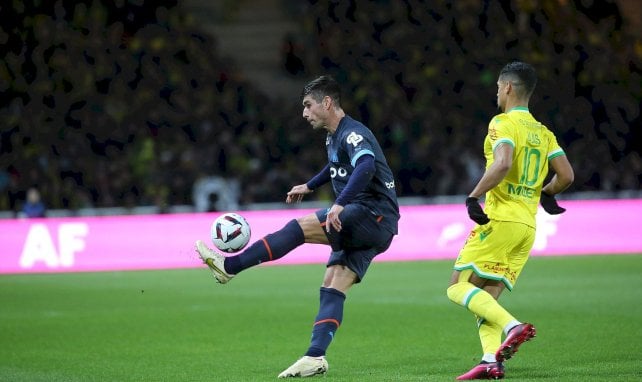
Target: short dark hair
[
  {"x": 321, "y": 87},
  {"x": 522, "y": 76}
]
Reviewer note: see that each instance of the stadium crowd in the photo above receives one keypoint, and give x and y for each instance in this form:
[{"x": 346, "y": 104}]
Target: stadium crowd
[{"x": 126, "y": 104}]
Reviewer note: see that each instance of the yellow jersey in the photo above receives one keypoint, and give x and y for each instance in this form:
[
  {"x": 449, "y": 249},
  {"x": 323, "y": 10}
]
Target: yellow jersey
[{"x": 516, "y": 197}]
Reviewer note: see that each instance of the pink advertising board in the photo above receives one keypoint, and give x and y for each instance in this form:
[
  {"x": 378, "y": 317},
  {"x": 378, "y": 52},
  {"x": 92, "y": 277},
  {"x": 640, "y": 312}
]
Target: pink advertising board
[{"x": 166, "y": 241}]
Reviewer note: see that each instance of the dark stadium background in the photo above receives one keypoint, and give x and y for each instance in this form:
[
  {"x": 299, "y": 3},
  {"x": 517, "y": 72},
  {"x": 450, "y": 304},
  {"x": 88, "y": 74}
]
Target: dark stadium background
[{"x": 112, "y": 104}]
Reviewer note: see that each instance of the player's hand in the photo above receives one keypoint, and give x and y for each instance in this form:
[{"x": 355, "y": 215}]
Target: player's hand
[
  {"x": 295, "y": 195},
  {"x": 549, "y": 203},
  {"x": 332, "y": 220},
  {"x": 475, "y": 211}
]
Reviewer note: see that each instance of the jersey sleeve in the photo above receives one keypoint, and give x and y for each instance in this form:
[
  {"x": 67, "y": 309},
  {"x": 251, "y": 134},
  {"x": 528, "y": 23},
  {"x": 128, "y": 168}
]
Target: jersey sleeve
[
  {"x": 554, "y": 149},
  {"x": 501, "y": 131},
  {"x": 357, "y": 143}
]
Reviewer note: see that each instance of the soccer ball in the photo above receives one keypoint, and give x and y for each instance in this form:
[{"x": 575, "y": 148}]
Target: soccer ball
[{"x": 230, "y": 232}]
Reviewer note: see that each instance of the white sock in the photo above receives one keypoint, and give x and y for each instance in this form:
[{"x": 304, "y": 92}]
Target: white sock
[
  {"x": 511, "y": 325},
  {"x": 490, "y": 358}
]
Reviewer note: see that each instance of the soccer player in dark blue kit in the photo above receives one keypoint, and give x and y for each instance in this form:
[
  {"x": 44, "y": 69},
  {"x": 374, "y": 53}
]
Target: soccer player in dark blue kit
[{"x": 358, "y": 226}]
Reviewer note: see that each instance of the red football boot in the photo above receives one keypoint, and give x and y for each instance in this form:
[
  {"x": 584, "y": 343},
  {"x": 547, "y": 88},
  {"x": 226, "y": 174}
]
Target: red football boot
[
  {"x": 516, "y": 336},
  {"x": 484, "y": 371}
]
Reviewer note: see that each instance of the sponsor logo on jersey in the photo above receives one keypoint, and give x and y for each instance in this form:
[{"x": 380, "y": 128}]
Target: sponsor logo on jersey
[
  {"x": 533, "y": 139},
  {"x": 492, "y": 132},
  {"x": 354, "y": 139},
  {"x": 520, "y": 190},
  {"x": 341, "y": 172},
  {"x": 484, "y": 234},
  {"x": 495, "y": 268}
]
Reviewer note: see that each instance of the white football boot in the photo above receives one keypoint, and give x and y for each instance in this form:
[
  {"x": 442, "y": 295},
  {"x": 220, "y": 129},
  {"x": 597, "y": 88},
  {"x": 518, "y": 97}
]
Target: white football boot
[
  {"x": 215, "y": 261},
  {"x": 306, "y": 367}
]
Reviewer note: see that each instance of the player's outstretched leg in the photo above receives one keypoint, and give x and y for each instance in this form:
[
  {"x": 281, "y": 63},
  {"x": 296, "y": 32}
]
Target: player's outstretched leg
[
  {"x": 306, "y": 367},
  {"x": 515, "y": 337},
  {"x": 215, "y": 261},
  {"x": 493, "y": 370},
  {"x": 270, "y": 248}
]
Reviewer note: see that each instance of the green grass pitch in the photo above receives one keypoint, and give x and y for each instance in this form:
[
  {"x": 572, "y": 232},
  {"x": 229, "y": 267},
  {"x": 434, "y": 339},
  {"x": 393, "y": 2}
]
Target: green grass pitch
[{"x": 178, "y": 325}]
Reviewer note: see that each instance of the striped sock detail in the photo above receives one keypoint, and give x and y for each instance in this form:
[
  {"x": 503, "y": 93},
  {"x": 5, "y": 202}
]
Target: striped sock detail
[
  {"x": 268, "y": 249},
  {"x": 327, "y": 321},
  {"x": 469, "y": 295},
  {"x": 330, "y": 320}
]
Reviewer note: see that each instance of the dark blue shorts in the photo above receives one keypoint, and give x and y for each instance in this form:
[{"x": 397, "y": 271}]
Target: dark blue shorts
[{"x": 360, "y": 240}]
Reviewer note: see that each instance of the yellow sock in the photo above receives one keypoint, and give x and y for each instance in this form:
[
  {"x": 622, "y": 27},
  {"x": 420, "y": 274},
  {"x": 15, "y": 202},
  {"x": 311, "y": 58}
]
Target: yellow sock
[
  {"x": 490, "y": 336},
  {"x": 479, "y": 302}
]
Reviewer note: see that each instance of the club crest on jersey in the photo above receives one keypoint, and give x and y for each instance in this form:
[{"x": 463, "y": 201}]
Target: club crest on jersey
[
  {"x": 492, "y": 134},
  {"x": 354, "y": 139}
]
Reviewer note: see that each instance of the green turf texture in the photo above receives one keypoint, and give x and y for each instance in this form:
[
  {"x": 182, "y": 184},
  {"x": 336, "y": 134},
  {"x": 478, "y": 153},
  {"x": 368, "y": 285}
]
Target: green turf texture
[{"x": 179, "y": 325}]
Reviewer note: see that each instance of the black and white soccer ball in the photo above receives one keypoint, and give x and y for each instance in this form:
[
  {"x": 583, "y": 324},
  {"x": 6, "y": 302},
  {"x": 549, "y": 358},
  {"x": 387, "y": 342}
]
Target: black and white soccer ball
[{"x": 230, "y": 232}]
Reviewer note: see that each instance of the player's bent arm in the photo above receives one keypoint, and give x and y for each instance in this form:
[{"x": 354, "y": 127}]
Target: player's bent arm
[
  {"x": 502, "y": 162},
  {"x": 295, "y": 195},
  {"x": 363, "y": 172},
  {"x": 320, "y": 179},
  {"x": 563, "y": 177}
]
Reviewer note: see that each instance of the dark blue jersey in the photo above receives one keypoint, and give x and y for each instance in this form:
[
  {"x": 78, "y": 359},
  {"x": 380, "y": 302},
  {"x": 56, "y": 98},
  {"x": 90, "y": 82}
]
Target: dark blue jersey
[{"x": 349, "y": 142}]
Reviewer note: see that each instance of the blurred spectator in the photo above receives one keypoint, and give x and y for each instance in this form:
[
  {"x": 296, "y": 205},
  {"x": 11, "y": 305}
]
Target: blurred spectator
[
  {"x": 130, "y": 103},
  {"x": 292, "y": 62},
  {"x": 33, "y": 206}
]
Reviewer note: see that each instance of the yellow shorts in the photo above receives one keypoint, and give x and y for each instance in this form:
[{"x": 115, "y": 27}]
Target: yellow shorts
[{"x": 497, "y": 251}]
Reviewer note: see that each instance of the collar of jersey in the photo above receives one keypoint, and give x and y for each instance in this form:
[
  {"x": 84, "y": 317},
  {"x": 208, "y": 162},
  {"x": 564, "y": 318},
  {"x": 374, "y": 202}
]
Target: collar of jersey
[
  {"x": 519, "y": 108},
  {"x": 342, "y": 122}
]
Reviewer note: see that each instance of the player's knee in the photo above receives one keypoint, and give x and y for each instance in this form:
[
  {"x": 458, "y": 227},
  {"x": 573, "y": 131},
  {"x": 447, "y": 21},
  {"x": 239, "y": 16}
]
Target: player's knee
[
  {"x": 312, "y": 229},
  {"x": 460, "y": 292},
  {"x": 342, "y": 278},
  {"x": 307, "y": 221},
  {"x": 450, "y": 292}
]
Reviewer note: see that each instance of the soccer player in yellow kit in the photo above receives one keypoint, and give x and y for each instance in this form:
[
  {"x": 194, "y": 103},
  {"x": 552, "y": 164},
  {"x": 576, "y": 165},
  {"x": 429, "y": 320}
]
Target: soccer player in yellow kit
[{"x": 518, "y": 151}]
